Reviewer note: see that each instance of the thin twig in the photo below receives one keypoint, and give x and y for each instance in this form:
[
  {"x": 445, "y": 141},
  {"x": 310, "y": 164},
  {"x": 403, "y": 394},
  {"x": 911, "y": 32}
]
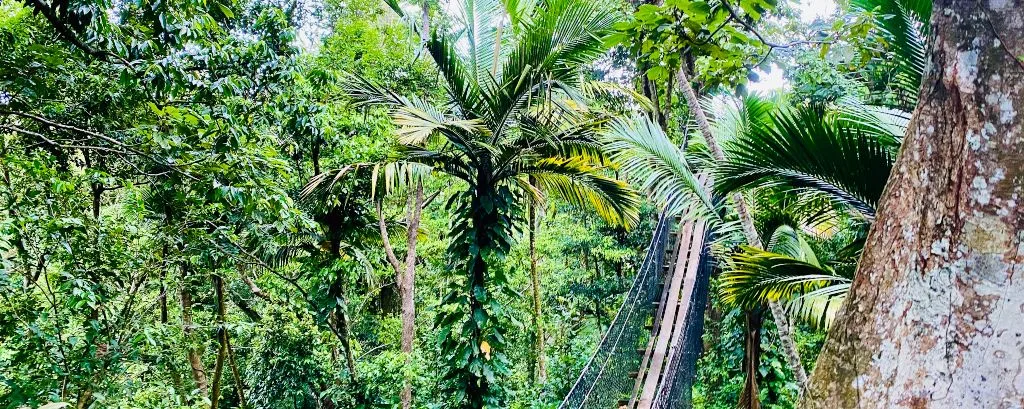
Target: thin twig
[{"x": 126, "y": 147}]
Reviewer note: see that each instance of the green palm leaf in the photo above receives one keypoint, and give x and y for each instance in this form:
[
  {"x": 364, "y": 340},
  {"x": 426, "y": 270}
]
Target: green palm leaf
[
  {"x": 805, "y": 150},
  {"x": 756, "y": 277},
  {"x": 577, "y": 182},
  {"x": 902, "y": 31},
  {"x": 646, "y": 156}
]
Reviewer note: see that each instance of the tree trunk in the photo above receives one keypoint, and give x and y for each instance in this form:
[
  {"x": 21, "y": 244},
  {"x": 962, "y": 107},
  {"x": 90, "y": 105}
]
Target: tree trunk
[
  {"x": 341, "y": 330},
  {"x": 405, "y": 276},
  {"x": 239, "y": 385},
  {"x": 222, "y": 352},
  {"x": 407, "y": 287},
  {"x": 749, "y": 231},
  {"x": 751, "y": 358},
  {"x": 425, "y": 21},
  {"x": 538, "y": 319},
  {"x": 187, "y": 327},
  {"x": 933, "y": 319}
]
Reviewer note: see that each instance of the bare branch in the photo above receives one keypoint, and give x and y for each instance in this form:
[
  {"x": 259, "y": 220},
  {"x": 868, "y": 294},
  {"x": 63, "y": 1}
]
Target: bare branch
[{"x": 127, "y": 149}]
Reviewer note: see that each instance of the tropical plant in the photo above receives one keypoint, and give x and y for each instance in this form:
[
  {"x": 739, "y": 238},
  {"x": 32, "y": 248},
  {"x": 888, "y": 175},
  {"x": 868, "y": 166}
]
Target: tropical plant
[
  {"x": 513, "y": 111},
  {"x": 790, "y": 270},
  {"x": 811, "y": 149},
  {"x": 841, "y": 153}
]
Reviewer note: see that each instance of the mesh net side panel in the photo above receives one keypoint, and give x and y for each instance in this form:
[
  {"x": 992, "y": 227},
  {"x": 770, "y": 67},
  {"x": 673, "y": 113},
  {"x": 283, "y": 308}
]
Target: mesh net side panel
[
  {"x": 677, "y": 389},
  {"x": 606, "y": 378}
]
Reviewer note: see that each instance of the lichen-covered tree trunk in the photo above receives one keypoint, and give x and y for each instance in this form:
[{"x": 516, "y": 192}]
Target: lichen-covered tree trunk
[{"x": 934, "y": 317}]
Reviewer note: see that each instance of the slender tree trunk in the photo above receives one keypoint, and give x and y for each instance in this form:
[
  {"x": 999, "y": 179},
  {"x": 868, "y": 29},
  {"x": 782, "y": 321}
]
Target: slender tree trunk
[
  {"x": 778, "y": 312},
  {"x": 341, "y": 328},
  {"x": 405, "y": 276},
  {"x": 538, "y": 319},
  {"x": 933, "y": 319},
  {"x": 424, "y": 21},
  {"x": 407, "y": 287},
  {"x": 751, "y": 358},
  {"x": 175, "y": 377},
  {"x": 239, "y": 385},
  {"x": 222, "y": 352},
  {"x": 163, "y": 287},
  {"x": 187, "y": 327}
]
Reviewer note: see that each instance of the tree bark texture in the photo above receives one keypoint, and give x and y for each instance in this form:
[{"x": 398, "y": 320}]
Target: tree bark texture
[
  {"x": 934, "y": 316},
  {"x": 749, "y": 231}
]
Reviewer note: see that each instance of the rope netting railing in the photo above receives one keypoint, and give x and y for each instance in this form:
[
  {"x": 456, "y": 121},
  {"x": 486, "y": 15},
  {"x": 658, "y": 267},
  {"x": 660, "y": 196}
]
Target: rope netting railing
[
  {"x": 676, "y": 388},
  {"x": 606, "y": 378}
]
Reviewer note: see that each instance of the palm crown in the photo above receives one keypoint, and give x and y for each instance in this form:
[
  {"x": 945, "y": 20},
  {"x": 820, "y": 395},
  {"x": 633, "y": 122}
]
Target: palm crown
[{"x": 515, "y": 108}]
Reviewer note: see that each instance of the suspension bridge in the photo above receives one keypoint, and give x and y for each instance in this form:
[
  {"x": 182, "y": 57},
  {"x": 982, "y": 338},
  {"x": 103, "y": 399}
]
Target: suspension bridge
[{"x": 647, "y": 357}]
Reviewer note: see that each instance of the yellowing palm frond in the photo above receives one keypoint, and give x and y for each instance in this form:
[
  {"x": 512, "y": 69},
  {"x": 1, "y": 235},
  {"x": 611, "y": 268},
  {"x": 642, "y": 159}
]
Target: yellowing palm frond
[
  {"x": 756, "y": 277},
  {"x": 580, "y": 184}
]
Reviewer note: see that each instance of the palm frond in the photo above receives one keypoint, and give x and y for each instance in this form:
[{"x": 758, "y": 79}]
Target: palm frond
[
  {"x": 481, "y": 17},
  {"x": 560, "y": 39},
  {"x": 806, "y": 151},
  {"x": 580, "y": 184},
  {"x": 888, "y": 125},
  {"x": 818, "y": 308},
  {"x": 460, "y": 81},
  {"x": 732, "y": 118},
  {"x": 384, "y": 177},
  {"x": 902, "y": 31},
  {"x": 652, "y": 161},
  {"x": 418, "y": 121},
  {"x": 755, "y": 277},
  {"x": 367, "y": 92}
]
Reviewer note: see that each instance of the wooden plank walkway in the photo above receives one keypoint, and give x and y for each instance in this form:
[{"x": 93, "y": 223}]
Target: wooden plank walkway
[{"x": 671, "y": 313}]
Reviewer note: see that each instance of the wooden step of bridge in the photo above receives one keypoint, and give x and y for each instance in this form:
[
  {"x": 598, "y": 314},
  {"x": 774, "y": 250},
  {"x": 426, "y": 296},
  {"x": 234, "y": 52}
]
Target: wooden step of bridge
[{"x": 682, "y": 261}]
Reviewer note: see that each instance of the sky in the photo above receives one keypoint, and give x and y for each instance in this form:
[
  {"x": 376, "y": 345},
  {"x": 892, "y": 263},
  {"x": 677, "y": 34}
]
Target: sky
[{"x": 809, "y": 11}]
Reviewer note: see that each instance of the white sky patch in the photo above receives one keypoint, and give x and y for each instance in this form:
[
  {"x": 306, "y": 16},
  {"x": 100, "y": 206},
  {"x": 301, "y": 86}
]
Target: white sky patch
[
  {"x": 811, "y": 10},
  {"x": 770, "y": 81}
]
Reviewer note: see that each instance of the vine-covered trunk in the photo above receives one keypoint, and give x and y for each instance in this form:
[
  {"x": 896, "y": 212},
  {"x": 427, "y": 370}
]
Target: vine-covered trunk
[
  {"x": 471, "y": 321},
  {"x": 933, "y": 318},
  {"x": 749, "y": 231}
]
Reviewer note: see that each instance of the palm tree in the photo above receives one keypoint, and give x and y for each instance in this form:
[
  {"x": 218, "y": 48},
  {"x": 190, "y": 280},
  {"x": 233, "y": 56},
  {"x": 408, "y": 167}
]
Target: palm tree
[
  {"x": 513, "y": 111},
  {"x": 843, "y": 152},
  {"x": 789, "y": 269}
]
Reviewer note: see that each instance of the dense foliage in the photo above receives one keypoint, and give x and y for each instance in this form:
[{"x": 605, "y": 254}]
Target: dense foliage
[{"x": 199, "y": 197}]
